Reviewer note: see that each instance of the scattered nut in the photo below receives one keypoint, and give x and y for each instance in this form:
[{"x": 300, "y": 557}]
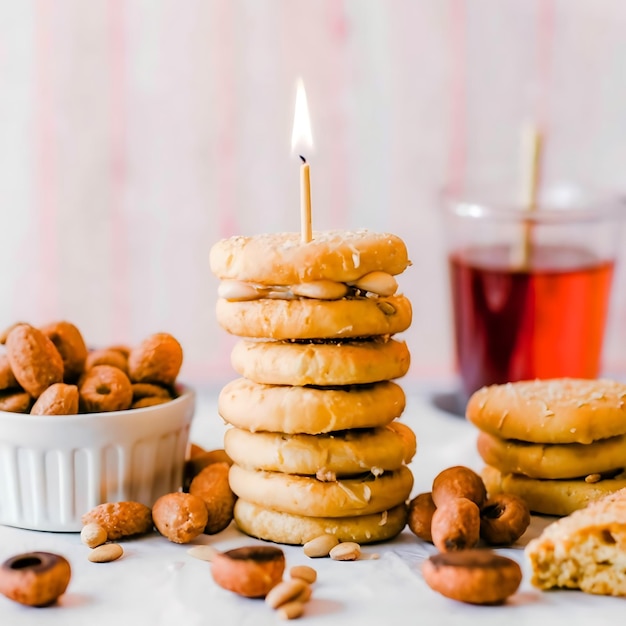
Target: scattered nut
[
  {"x": 204, "y": 553},
  {"x": 346, "y": 551},
  {"x": 304, "y": 572},
  {"x": 284, "y": 592},
  {"x": 291, "y": 610},
  {"x": 593, "y": 478},
  {"x": 93, "y": 535},
  {"x": 504, "y": 519},
  {"x": 456, "y": 525},
  {"x": 106, "y": 553},
  {"x": 320, "y": 546}
]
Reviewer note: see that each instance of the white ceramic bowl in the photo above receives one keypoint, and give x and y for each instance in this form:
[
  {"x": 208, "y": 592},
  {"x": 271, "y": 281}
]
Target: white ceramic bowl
[{"x": 54, "y": 468}]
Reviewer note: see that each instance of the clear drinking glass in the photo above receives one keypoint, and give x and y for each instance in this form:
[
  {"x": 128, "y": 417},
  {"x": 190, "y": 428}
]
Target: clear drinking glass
[{"x": 530, "y": 289}]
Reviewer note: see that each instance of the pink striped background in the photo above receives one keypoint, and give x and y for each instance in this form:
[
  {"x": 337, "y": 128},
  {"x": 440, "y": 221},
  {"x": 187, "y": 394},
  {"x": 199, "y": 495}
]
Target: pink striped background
[{"x": 137, "y": 134}]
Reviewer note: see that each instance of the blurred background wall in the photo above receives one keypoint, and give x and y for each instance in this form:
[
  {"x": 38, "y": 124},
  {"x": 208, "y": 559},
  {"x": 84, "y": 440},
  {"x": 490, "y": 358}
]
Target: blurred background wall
[{"x": 134, "y": 134}]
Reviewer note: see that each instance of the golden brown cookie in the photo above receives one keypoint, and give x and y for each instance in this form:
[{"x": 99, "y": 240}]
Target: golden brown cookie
[
  {"x": 339, "y": 454},
  {"x": 157, "y": 359},
  {"x": 57, "y": 399},
  {"x": 259, "y": 521},
  {"x": 561, "y": 410},
  {"x": 105, "y": 388},
  {"x": 553, "y": 460},
  {"x": 306, "y": 318},
  {"x": 304, "y": 495},
  {"x": 475, "y": 576},
  {"x": 283, "y": 259},
  {"x": 69, "y": 341},
  {"x": 551, "y": 497},
  {"x": 287, "y": 409},
  {"x": 322, "y": 364},
  {"x": 584, "y": 550},
  {"x": 34, "y": 359}
]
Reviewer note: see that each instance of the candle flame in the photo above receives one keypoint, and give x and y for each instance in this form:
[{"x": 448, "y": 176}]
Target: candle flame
[{"x": 301, "y": 135}]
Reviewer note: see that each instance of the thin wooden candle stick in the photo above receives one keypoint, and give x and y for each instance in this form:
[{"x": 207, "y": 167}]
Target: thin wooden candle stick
[
  {"x": 305, "y": 201},
  {"x": 532, "y": 148}
]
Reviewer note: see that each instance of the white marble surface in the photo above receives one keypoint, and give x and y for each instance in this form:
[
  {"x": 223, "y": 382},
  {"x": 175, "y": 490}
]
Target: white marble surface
[{"x": 158, "y": 583}]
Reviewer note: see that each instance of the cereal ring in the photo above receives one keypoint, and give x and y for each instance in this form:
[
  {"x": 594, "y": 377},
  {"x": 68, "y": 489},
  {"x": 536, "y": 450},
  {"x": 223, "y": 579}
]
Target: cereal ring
[
  {"x": 71, "y": 346},
  {"x": 458, "y": 482},
  {"x": 421, "y": 511},
  {"x": 211, "y": 484},
  {"x": 15, "y": 401},
  {"x": 456, "y": 525},
  {"x": 57, "y": 399},
  {"x": 7, "y": 379},
  {"x": 142, "y": 403},
  {"x": 250, "y": 571},
  {"x": 107, "y": 357},
  {"x": 120, "y": 519},
  {"x": 503, "y": 519},
  {"x": 180, "y": 517},
  {"x": 473, "y": 576},
  {"x": 157, "y": 359},
  {"x": 105, "y": 388},
  {"x": 125, "y": 350},
  {"x": 34, "y": 359},
  {"x": 148, "y": 390},
  {"x": 35, "y": 578}
]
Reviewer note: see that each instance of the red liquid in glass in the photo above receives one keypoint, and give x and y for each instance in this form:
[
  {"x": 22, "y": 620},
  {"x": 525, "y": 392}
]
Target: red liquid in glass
[{"x": 517, "y": 324}]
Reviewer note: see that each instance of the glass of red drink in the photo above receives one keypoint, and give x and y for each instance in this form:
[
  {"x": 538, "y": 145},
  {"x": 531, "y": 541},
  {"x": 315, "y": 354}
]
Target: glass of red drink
[{"x": 531, "y": 289}]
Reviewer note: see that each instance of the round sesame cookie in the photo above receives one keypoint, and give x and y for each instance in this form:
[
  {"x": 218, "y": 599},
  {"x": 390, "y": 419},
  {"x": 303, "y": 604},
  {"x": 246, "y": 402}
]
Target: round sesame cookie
[
  {"x": 550, "y": 496},
  {"x": 338, "y": 454},
  {"x": 287, "y": 409},
  {"x": 553, "y": 460},
  {"x": 308, "y": 318},
  {"x": 284, "y": 259},
  {"x": 264, "y": 523},
  {"x": 306, "y": 495},
  {"x": 560, "y": 410},
  {"x": 322, "y": 364}
]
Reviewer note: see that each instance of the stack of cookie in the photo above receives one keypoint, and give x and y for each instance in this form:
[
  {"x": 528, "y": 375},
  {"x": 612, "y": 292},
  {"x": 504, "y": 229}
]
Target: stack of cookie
[
  {"x": 558, "y": 443},
  {"x": 315, "y": 439}
]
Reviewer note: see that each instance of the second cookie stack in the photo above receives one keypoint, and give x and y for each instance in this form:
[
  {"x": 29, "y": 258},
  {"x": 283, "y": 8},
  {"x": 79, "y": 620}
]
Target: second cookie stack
[{"x": 315, "y": 438}]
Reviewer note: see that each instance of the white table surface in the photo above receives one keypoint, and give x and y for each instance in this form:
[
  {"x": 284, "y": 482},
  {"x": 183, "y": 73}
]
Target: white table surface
[{"x": 157, "y": 583}]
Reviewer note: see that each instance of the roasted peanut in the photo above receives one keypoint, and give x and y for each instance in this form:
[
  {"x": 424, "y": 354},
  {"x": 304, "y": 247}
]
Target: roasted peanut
[
  {"x": 345, "y": 551},
  {"x": 106, "y": 553},
  {"x": 93, "y": 535},
  {"x": 285, "y": 591},
  {"x": 320, "y": 546},
  {"x": 304, "y": 572},
  {"x": 503, "y": 519},
  {"x": 456, "y": 525}
]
